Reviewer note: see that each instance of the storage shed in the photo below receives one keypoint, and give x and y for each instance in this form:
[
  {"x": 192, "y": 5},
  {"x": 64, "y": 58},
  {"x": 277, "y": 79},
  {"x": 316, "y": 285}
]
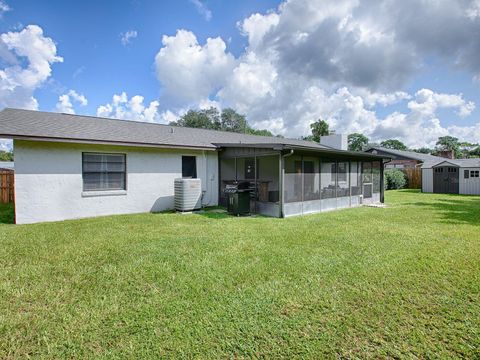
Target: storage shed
[{"x": 459, "y": 176}]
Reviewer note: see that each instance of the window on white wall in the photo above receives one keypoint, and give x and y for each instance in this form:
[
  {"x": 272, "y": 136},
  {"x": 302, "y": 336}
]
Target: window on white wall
[
  {"x": 189, "y": 167},
  {"x": 475, "y": 173},
  {"x": 103, "y": 171}
]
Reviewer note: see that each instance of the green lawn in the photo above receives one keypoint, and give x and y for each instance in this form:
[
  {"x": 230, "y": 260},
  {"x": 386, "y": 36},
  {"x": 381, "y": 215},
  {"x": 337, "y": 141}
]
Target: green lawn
[{"x": 397, "y": 282}]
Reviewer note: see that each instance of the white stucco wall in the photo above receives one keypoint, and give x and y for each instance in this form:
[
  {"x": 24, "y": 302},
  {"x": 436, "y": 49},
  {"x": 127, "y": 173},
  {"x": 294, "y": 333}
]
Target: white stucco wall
[
  {"x": 427, "y": 180},
  {"x": 470, "y": 186},
  {"x": 49, "y": 186}
]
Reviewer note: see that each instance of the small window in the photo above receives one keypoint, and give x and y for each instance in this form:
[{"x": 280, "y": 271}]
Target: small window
[
  {"x": 189, "y": 167},
  {"x": 466, "y": 174},
  {"x": 102, "y": 172},
  {"x": 474, "y": 173},
  {"x": 342, "y": 171}
]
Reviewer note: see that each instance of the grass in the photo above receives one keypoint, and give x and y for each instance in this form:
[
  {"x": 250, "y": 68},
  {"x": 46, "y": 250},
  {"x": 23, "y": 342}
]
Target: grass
[{"x": 397, "y": 282}]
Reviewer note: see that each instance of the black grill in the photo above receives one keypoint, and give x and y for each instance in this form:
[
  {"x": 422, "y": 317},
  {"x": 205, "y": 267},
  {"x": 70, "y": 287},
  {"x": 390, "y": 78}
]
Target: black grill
[
  {"x": 238, "y": 197},
  {"x": 241, "y": 186}
]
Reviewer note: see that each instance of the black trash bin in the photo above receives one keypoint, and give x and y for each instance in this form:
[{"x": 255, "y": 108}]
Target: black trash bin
[{"x": 238, "y": 195}]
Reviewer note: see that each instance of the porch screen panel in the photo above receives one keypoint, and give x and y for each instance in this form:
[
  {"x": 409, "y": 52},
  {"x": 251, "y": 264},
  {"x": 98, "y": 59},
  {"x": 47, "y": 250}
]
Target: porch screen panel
[
  {"x": 228, "y": 175},
  {"x": 311, "y": 178},
  {"x": 267, "y": 174},
  {"x": 355, "y": 178},
  {"x": 293, "y": 180},
  {"x": 343, "y": 188},
  {"x": 328, "y": 176},
  {"x": 103, "y": 172},
  {"x": 376, "y": 176},
  {"x": 367, "y": 179}
]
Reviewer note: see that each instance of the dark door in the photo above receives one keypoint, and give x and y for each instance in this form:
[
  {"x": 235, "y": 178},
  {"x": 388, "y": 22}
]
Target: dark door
[{"x": 445, "y": 180}]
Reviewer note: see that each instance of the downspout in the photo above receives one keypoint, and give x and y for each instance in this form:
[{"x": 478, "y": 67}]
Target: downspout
[
  {"x": 208, "y": 181},
  {"x": 282, "y": 177}
]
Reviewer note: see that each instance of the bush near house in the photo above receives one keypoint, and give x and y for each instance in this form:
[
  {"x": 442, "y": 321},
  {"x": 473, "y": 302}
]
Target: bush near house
[{"x": 394, "y": 179}]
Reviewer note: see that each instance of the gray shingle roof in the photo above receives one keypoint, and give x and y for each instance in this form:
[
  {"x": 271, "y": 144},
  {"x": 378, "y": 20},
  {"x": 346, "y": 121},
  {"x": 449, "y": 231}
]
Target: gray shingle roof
[
  {"x": 467, "y": 163},
  {"x": 408, "y": 154},
  {"x": 15, "y": 123}
]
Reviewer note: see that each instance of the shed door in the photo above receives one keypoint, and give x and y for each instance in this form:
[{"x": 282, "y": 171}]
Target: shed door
[{"x": 446, "y": 180}]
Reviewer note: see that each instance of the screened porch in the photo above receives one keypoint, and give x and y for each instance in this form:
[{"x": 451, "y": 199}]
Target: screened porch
[{"x": 293, "y": 183}]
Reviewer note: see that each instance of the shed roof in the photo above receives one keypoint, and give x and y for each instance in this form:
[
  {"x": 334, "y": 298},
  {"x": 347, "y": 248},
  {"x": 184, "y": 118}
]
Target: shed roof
[
  {"x": 28, "y": 124},
  {"x": 467, "y": 163}
]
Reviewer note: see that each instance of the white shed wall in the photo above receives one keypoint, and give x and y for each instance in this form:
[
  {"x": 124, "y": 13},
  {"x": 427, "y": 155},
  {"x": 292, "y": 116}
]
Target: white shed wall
[
  {"x": 427, "y": 180},
  {"x": 49, "y": 186},
  {"x": 470, "y": 186}
]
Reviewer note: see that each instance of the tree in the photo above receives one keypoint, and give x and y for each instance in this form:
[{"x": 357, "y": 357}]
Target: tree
[
  {"x": 233, "y": 121},
  {"x": 357, "y": 142},
  {"x": 449, "y": 143},
  {"x": 423, "y": 150},
  {"x": 227, "y": 120},
  {"x": 202, "y": 119},
  {"x": 393, "y": 144},
  {"x": 6, "y": 155},
  {"x": 319, "y": 128},
  {"x": 466, "y": 149},
  {"x": 475, "y": 152},
  {"x": 262, "y": 132}
]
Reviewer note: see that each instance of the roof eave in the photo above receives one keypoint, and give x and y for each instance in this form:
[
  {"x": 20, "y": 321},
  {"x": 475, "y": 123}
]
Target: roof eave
[{"x": 103, "y": 142}]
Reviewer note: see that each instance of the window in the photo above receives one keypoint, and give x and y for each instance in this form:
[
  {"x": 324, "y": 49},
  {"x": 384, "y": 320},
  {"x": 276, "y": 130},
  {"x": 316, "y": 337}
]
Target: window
[
  {"x": 189, "y": 167},
  {"x": 475, "y": 173},
  {"x": 466, "y": 174},
  {"x": 452, "y": 170},
  {"x": 342, "y": 171},
  {"x": 103, "y": 171}
]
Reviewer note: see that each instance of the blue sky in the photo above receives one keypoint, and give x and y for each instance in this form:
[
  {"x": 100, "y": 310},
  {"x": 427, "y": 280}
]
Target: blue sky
[
  {"x": 408, "y": 71},
  {"x": 88, "y": 37}
]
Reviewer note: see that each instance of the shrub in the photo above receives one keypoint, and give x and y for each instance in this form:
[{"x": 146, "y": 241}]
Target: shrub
[{"x": 394, "y": 179}]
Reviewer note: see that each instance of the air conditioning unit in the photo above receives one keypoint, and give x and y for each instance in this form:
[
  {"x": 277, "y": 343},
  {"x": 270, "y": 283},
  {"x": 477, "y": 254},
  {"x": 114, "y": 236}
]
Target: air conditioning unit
[{"x": 188, "y": 194}]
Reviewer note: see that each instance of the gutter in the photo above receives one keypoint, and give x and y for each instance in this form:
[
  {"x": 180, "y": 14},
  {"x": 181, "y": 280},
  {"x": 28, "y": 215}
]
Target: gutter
[{"x": 105, "y": 142}]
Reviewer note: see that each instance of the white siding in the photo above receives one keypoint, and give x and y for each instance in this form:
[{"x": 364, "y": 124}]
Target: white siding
[
  {"x": 470, "y": 186},
  {"x": 48, "y": 181},
  {"x": 427, "y": 180}
]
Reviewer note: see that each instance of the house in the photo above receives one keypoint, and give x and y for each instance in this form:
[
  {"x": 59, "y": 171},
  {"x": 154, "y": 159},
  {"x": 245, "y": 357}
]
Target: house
[
  {"x": 72, "y": 166},
  {"x": 401, "y": 159},
  {"x": 451, "y": 176}
]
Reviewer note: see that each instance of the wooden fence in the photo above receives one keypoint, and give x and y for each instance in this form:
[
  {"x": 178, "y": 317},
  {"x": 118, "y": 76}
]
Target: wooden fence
[
  {"x": 7, "y": 194},
  {"x": 414, "y": 177}
]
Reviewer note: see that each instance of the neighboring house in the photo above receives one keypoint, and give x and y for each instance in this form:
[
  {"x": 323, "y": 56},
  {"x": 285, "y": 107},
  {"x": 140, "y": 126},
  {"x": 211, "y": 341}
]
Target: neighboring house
[
  {"x": 402, "y": 159},
  {"x": 451, "y": 176},
  {"x": 71, "y": 166}
]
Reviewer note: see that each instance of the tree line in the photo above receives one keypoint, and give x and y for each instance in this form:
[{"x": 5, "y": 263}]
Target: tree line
[
  {"x": 213, "y": 119},
  {"x": 461, "y": 149},
  {"x": 359, "y": 142}
]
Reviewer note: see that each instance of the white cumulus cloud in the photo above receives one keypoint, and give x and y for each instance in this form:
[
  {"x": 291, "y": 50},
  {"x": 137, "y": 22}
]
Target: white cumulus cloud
[
  {"x": 190, "y": 72},
  {"x": 19, "y": 79},
  {"x": 134, "y": 108},
  {"x": 64, "y": 104}
]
